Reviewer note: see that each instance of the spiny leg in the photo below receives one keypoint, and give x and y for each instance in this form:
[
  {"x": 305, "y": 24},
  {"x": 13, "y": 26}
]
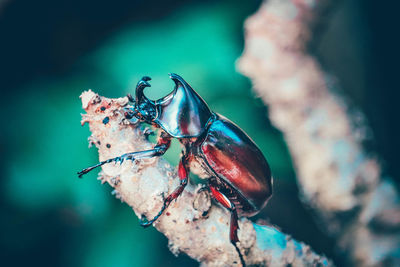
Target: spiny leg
[
  {"x": 183, "y": 173},
  {"x": 161, "y": 147},
  {"x": 234, "y": 226}
]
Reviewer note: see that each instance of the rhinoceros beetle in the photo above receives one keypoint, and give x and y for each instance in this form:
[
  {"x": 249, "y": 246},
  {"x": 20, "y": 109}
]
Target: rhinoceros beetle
[{"x": 237, "y": 173}]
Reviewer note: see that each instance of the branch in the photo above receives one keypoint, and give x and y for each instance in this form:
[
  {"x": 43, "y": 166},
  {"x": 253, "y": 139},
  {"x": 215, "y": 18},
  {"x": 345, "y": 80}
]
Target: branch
[
  {"x": 191, "y": 223},
  {"x": 337, "y": 177}
]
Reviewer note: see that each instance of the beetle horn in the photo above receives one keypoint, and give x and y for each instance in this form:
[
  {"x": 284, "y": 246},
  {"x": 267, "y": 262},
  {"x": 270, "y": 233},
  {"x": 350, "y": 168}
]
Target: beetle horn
[
  {"x": 143, "y": 83},
  {"x": 177, "y": 79}
]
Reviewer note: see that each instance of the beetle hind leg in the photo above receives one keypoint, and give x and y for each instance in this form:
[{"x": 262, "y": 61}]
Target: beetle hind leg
[{"x": 234, "y": 226}]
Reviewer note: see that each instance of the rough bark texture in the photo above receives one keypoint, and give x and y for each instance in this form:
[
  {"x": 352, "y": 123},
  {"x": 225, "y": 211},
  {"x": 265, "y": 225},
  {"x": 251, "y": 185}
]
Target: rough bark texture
[
  {"x": 144, "y": 184},
  {"x": 336, "y": 176}
]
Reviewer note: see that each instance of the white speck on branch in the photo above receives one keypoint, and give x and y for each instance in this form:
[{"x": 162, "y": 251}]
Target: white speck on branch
[
  {"x": 143, "y": 184},
  {"x": 336, "y": 176}
]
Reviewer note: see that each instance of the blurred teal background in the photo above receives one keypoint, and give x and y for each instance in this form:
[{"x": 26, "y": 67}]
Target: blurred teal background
[{"x": 51, "y": 51}]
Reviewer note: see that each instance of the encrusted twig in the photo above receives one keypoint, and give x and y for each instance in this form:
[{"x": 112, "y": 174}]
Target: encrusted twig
[
  {"x": 336, "y": 176},
  {"x": 191, "y": 223}
]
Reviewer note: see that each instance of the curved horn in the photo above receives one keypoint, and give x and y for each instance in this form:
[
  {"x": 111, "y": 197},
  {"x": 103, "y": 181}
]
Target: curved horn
[
  {"x": 143, "y": 83},
  {"x": 177, "y": 79}
]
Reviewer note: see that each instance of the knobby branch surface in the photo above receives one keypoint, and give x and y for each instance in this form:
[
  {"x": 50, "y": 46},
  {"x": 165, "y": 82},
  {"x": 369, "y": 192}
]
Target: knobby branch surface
[
  {"x": 336, "y": 176},
  {"x": 191, "y": 223}
]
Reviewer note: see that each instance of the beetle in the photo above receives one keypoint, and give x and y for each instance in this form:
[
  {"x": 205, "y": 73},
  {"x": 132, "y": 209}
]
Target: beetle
[{"x": 238, "y": 175}]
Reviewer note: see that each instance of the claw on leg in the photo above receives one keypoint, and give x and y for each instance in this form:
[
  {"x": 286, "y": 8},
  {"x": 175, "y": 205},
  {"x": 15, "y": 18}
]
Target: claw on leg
[
  {"x": 119, "y": 159},
  {"x": 145, "y": 223},
  {"x": 183, "y": 172},
  {"x": 162, "y": 146},
  {"x": 84, "y": 171},
  {"x": 221, "y": 198}
]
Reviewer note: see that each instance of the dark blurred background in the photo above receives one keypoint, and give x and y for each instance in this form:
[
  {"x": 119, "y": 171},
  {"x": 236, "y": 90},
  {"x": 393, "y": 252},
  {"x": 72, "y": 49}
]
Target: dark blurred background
[{"x": 50, "y": 51}]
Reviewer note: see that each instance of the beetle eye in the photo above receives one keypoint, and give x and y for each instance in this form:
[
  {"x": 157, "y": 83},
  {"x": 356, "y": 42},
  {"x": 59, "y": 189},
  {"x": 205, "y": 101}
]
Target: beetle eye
[{"x": 147, "y": 112}]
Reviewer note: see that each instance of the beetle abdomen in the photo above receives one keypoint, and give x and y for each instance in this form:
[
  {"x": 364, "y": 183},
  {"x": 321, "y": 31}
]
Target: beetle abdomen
[{"x": 237, "y": 160}]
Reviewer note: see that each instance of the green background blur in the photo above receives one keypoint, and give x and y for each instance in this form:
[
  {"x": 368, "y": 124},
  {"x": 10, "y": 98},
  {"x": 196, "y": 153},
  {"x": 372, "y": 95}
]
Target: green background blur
[{"x": 50, "y": 51}]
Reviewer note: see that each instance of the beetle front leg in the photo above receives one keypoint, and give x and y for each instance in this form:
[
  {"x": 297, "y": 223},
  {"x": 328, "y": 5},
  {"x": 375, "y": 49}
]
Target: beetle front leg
[
  {"x": 234, "y": 226},
  {"x": 183, "y": 173},
  {"x": 162, "y": 146}
]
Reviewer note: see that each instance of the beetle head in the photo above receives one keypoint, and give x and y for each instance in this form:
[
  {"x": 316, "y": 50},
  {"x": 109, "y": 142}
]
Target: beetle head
[
  {"x": 145, "y": 108},
  {"x": 182, "y": 113}
]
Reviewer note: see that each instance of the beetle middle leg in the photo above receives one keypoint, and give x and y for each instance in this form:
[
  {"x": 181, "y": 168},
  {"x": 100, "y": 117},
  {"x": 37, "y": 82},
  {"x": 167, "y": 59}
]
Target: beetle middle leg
[
  {"x": 161, "y": 147},
  {"x": 183, "y": 173},
  {"x": 234, "y": 226}
]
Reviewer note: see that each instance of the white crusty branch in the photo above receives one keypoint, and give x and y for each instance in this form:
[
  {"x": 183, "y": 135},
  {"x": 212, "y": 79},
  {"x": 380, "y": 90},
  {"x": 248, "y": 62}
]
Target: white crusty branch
[
  {"x": 144, "y": 183},
  {"x": 336, "y": 176}
]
